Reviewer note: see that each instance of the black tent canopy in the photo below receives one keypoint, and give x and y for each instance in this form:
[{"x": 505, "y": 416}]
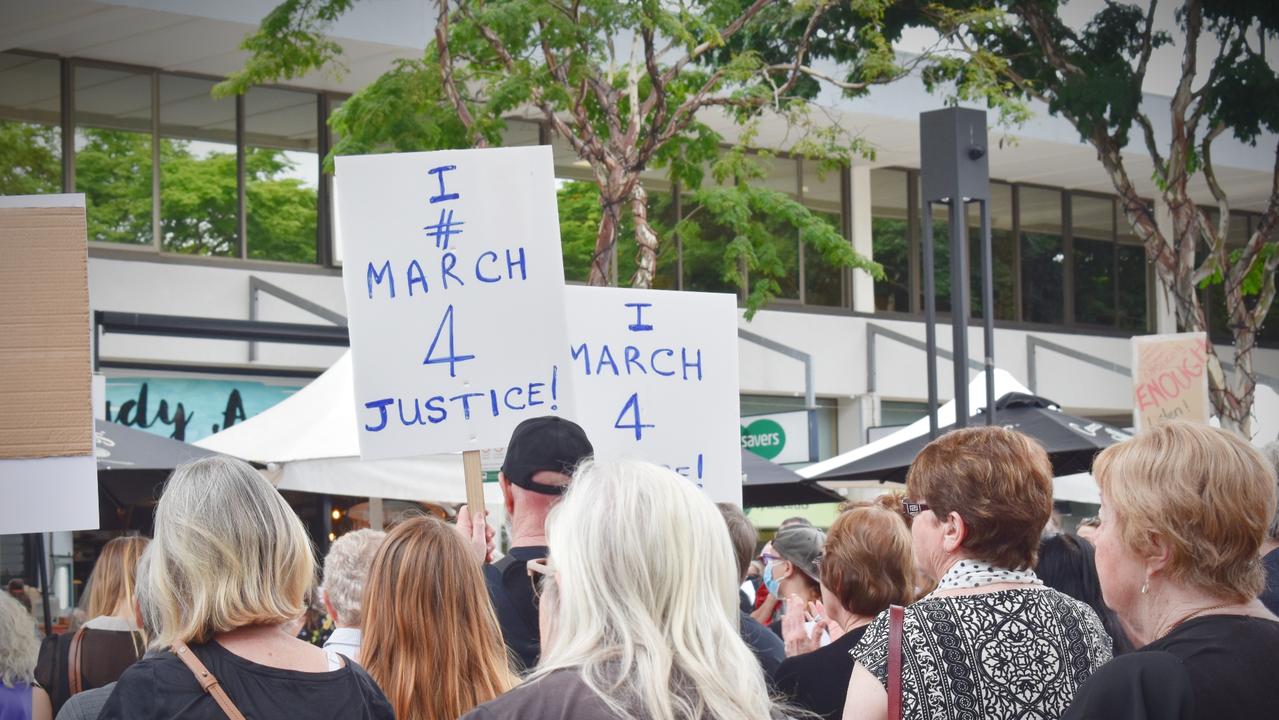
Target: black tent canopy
[
  {"x": 1071, "y": 441},
  {"x": 768, "y": 484}
]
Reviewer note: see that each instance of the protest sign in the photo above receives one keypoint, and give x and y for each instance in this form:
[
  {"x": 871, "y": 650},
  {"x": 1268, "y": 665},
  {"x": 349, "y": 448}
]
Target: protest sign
[
  {"x": 1170, "y": 378},
  {"x": 656, "y": 375},
  {"x": 48, "y": 473},
  {"x": 454, "y": 287}
]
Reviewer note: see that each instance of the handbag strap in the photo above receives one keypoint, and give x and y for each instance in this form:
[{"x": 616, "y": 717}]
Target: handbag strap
[
  {"x": 75, "y": 681},
  {"x": 896, "y": 618},
  {"x": 208, "y": 682}
]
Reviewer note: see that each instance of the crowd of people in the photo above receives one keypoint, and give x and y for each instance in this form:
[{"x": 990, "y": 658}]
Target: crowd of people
[{"x": 624, "y": 595}]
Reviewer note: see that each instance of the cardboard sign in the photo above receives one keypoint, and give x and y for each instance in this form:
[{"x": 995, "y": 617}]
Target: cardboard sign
[
  {"x": 656, "y": 374},
  {"x": 454, "y": 288},
  {"x": 779, "y": 437},
  {"x": 1170, "y": 378},
  {"x": 48, "y": 475}
]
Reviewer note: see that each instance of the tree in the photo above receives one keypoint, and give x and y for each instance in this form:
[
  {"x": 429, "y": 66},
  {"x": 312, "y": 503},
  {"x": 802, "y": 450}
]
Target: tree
[
  {"x": 628, "y": 86},
  {"x": 1093, "y": 76}
]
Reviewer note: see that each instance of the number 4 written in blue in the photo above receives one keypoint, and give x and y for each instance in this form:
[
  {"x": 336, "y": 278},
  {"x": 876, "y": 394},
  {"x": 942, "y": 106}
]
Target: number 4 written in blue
[
  {"x": 452, "y": 359},
  {"x": 632, "y": 407}
]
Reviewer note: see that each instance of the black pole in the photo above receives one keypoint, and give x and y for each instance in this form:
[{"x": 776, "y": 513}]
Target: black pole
[
  {"x": 959, "y": 307},
  {"x": 930, "y": 317},
  {"x": 988, "y": 308},
  {"x": 42, "y": 570}
]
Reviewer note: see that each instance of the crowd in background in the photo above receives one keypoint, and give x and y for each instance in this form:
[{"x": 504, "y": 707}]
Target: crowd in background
[{"x": 627, "y": 594}]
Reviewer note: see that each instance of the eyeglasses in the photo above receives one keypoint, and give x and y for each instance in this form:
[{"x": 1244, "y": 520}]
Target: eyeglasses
[
  {"x": 538, "y": 573},
  {"x": 913, "y": 509},
  {"x": 769, "y": 557}
]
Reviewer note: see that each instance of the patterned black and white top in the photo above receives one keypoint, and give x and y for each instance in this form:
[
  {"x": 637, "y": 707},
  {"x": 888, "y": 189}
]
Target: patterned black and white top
[{"x": 1020, "y": 653}]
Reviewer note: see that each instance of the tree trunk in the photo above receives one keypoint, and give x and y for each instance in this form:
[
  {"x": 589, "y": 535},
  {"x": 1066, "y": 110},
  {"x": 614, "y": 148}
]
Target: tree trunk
[
  {"x": 645, "y": 239},
  {"x": 605, "y": 242}
]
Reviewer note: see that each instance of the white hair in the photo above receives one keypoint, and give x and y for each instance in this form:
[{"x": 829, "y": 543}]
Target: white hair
[
  {"x": 18, "y": 643},
  {"x": 228, "y": 552},
  {"x": 1271, "y": 452},
  {"x": 346, "y": 567},
  {"x": 647, "y": 587}
]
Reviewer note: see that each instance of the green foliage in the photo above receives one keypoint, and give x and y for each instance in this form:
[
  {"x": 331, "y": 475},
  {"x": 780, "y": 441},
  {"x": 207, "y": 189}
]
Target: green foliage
[
  {"x": 32, "y": 159},
  {"x": 563, "y": 63},
  {"x": 197, "y": 192}
]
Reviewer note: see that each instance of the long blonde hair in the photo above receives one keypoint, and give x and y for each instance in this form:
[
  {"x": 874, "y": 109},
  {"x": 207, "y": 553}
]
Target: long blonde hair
[
  {"x": 647, "y": 598},
  {"x": 114, "y": 576},
  {"x": 430, "y": 637},
  {"x": 228, "y": 552}
]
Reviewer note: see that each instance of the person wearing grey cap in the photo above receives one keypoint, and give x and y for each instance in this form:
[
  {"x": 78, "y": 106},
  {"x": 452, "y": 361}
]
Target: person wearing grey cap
[
  {"x": 539, "y": 463},
  {"x": 790, "y": 572}
]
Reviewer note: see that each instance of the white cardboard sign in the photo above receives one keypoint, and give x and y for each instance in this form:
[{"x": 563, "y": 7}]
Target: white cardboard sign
[
  {"x": 454, "y": 288},
  {"x": 656, "y": 377}
]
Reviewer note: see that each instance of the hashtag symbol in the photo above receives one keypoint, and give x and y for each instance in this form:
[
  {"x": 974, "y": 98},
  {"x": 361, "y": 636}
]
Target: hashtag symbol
[{"x": 444, "y": 229}]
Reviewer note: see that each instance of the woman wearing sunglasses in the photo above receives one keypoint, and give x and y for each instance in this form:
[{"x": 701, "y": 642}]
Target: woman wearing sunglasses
[
  {"x": 991, "y": 641},
  {"x": 639, "y": 604}
]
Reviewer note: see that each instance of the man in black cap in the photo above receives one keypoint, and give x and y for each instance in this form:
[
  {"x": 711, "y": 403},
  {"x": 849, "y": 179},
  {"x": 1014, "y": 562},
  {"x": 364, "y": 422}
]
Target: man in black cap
[{"x": 540, "y": 459}]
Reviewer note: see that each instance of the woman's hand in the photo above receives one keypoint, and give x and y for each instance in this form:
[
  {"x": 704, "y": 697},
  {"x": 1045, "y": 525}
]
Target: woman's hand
[
  {"x": 478, "y": 535},
  {"x": 817, "y": 614},
  {"x": 795, "y": 633}
]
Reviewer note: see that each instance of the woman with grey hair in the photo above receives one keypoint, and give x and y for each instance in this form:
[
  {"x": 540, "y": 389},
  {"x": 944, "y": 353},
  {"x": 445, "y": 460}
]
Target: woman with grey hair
[
  {"x": 228, "y": 568},
  {"x": 639, "y": 608},
  {"x": 1270, "y": 548},
  {"x": 20, "y": 697}
]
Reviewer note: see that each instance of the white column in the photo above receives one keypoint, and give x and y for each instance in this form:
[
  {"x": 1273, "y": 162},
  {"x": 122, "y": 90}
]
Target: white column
[{"x": 863, "y": 284}]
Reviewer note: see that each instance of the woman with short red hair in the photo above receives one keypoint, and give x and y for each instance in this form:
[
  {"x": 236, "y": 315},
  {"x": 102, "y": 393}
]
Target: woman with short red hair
[{"x": 991, "y": 641}]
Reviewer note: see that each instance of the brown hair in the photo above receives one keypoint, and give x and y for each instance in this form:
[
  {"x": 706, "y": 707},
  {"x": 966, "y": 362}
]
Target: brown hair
[
  {"x": 430, "y": 638},
  {"x": 867, "y": 562},
  {"x": 742, "y": 533},
  {"x": 998, "y": 480},
  {"x": 1206, "y": 492},
  {"x": 114, "y": 576}
]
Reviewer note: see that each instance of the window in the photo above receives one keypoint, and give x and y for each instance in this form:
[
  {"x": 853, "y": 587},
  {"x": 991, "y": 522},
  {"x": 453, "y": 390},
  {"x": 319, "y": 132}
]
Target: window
[
  {"x": 1131, "y": 296},
  {"x": 113, "y": 153},
  {"x": 30, "y": 115},
  {"x": 1042, "y": 255},
  {"x": 827, "y": 417},
  {"x": 783, "y": 238},
  {"x": 820, "y": 191},
  {"x": 890, "y": 239},
  {"x": 1003, "y": 248},
  {"x": 281, "y": 174},
  {"x": 1092, "y": 229},
  {"x": 199, "y": 201},
  {"x": 941, "y": 259}
]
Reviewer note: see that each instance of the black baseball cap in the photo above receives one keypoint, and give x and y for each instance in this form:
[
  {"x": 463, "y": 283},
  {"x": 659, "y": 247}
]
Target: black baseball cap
[{"x": 543, "y": 444}]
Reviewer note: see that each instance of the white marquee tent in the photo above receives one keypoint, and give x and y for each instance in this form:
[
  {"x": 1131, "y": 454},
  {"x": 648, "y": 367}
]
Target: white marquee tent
[{"x": 308, "y": 442}]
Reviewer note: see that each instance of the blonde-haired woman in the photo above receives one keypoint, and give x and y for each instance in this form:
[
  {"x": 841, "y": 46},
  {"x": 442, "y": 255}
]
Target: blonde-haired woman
[
  {"x": 110, "y": 641},
  {"x": 430, "y": 637},
  {"x": 229, "y": 565},
  {"x": 20, "y": 697},
  {"x": 1184, "y": 511},
  {"x": 645, "y": 611}
]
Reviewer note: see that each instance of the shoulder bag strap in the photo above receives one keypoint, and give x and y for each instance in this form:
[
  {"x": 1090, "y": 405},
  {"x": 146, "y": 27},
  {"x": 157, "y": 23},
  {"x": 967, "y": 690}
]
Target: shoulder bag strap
[
  {"x": 75, "y": 681},
  {"x": 896, "y": 618},
  {"x": 208, "y": 682}
]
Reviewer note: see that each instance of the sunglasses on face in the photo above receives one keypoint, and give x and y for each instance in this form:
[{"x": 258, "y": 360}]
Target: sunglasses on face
[{"x": 913, "y": 508}]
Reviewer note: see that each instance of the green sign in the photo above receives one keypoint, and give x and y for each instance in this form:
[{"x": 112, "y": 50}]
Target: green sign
[{"x": 764, "y": 437}]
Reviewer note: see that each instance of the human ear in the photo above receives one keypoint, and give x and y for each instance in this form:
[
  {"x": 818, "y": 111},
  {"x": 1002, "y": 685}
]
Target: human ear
[{"x": 954, "y": 532}]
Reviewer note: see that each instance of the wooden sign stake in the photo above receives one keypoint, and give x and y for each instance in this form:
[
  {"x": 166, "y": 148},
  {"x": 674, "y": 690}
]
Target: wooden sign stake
[{"x": 474, "y": 482}]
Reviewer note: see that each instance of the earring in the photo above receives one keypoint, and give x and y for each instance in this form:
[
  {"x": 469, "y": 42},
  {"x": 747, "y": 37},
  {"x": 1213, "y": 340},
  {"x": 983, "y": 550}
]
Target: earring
[{"x": 1145, "y": 586}]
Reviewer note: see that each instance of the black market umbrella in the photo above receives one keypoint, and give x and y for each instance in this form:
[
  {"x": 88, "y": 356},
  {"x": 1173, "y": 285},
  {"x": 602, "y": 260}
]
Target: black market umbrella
[
  {"x": 768, "y": 484},
  {"x": 1071, "y": 441},
  {"x": 133, "y": 464}
]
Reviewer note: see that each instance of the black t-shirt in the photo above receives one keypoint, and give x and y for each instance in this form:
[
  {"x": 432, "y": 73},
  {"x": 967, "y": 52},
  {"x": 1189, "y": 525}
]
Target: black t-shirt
[
  {"x": 818, "y": 681},
  {"x": 511, "y": 591},
  {"x": 162, "y": 687},
  {"x": 1270, "y": 594},
  {"x": 1220, "y": 667},
  {"x": 768, "y": 648}
]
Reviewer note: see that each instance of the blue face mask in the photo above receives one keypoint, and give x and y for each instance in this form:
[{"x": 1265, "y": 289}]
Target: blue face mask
[{"x": 773, "y": 584}]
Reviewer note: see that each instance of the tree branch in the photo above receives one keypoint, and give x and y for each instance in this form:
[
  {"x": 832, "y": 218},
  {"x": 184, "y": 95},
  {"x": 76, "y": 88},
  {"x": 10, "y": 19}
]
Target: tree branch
[
  {"x": 729, "y": 31},
  {"x": 446, "y": 71}
]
